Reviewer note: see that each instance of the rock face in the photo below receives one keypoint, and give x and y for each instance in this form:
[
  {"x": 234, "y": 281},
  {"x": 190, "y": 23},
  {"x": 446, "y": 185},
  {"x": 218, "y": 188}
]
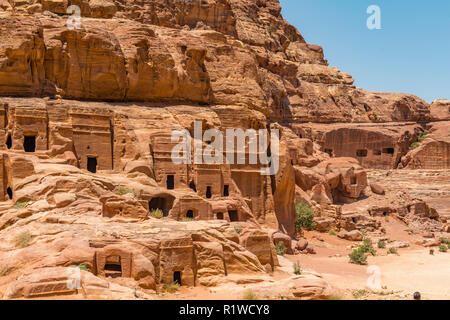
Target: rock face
[
  {"x": 86, "y": 122},
  {"x": 433, "y": 152},
  {"x": 375, "y": 146},
  {"x": 440, "y": 110}
]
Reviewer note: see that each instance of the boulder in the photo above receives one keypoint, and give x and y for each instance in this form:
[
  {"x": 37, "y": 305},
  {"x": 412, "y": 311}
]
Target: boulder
[
  {"x": 309, "y": 288},
  {"x": 353, "y": 235},
  {"x": 63, "y": 199},
  {"x": 301, "y": 245},
  {"x": 281, "y": 237},
  {"x": 376, "y": 188},
  {"x": 309, "y": 250}
]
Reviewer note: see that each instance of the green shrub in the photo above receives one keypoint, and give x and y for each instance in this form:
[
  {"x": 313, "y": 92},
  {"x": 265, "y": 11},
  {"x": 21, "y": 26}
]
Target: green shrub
[
  {"x": 305, "y": 217},
  {"x": 156, "y": 213},
  {"x": 173, "y": 287},
  {"x": 84, "y": 267},
  {"x": 23, "y": 239},
  {"x": 367, "y": 247},
  {"x": 238, "y": 229},
  {"x": 21, "y": 204},
  {"x": 297, "y": 268},
  {"x": 360, "y": 293},
  {"x": 122, "y": 191},
  {"x": 443, "y": 248},
  {"x": 332, "y": 232},
  {"x": 420, "y": 137},
  {"x": 250, "y": 295},
  {"x": 358, "y": 257},
  {"x": 381, "y": 244},
  {"x": 444, "y": 241},
  {"x": 280, "y": 248},
  {"x": 392, "y": 251}
]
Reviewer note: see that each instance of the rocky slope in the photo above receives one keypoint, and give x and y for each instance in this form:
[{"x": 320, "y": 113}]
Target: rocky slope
[{"x": 86, "y": 117}]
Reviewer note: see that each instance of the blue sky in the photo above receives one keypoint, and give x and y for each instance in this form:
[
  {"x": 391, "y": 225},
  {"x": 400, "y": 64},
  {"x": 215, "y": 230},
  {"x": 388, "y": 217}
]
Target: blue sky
[{"x": 411, "y": 53}]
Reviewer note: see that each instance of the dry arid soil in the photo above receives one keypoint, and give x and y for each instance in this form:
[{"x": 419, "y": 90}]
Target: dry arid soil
[{"x": 93, "y": 207}]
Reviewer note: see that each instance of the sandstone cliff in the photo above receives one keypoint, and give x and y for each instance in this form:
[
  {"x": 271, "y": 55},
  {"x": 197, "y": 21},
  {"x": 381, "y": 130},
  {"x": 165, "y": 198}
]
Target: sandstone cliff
[{"x": 86, "y": 117}]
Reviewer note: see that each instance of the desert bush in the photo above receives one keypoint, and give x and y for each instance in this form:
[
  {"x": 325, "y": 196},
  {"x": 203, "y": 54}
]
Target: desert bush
[
  {"x": 392, "y": 251},
  {"x": 381, "y": 244},
  {"x": 305, "y": 217},
  {"x": 443, "y": 248},
  {"x": 157, "y": 213},
  {"x": 186, "y": 219},
  {"x": 332, "y": 232},
  {"x": 122, "y": 191},
  {"x": 367, "y": 246},
  {"x": 420, "y": 137},
  {"x": 23, "y": 239},
  {"x": 444, "y": 241},
  {"x": 280, "y": 248},
  {"x": 250, "y": 295},
  {"x": 84, "y": 267},
  {"x": 358, "y": 256},
  {"x": 173, "y": 287},
  {"x": 297, "y": 268},
  {"x": 360, "y": 293},
  {"x": 238, "y": 229},
  {"x": 21, "y": 204}
]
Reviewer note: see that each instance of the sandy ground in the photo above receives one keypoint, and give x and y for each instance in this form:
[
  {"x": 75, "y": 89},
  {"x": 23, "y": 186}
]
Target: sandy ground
[
  {"x": 403, "y": 274},
  {"x": 412, "y": 269}
]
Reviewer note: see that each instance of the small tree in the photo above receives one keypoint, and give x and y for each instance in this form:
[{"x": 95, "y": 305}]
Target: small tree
[
  {"x": 305, "y": 217},
  {"x": 381, "y": 244}
]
